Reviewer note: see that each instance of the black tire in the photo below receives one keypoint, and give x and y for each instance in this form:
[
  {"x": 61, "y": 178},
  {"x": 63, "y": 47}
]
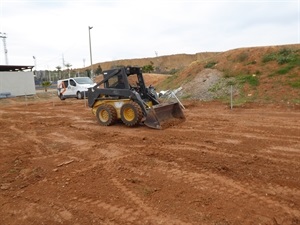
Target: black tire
[
  {"x": 79, "y": 95},
  {"x": 131, "y": 114},
  {"x": 62, "y": 97},
  {"x": 106, "y": 115}
]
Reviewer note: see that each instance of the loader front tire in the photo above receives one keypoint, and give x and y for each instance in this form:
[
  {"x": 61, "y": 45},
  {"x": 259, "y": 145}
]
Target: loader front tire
[
  {"x": 106, "y": 115},
  {"x": 131, "y": 114}
]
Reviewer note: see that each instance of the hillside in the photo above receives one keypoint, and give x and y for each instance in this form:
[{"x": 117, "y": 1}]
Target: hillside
[
  {"x": 161, "y": 64},
  {"x": 260, "y": 74},
  {"x": 257, "y": 74}
]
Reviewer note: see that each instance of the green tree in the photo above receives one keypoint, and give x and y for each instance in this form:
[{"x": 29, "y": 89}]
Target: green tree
[
  {"x": 68, "y": 65},
  {"x": 59, "y": 70},
  {"x": 148, "y": 68},
  {"x": 46, "y": 84}
]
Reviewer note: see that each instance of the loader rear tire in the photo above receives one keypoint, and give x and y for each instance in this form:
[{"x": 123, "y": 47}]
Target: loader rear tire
[
  {"x": 106, "y": 115},
  {"x": 131, "y": 114}
]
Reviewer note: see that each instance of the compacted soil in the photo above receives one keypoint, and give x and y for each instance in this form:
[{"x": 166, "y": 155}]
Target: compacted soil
[{"x": 219, "y": 167}]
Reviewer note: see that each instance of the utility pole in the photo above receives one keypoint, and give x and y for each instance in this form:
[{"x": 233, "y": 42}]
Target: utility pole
[
  {"x": 92, "y": 74},
  {"x": 3, "y": 36},
  {"x": 63, "y": 65},
  {"x": 63, "y": 61}
]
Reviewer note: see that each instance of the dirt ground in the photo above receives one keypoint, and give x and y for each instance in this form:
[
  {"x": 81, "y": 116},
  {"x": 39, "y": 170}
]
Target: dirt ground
[{"x": 219, "y": 167}]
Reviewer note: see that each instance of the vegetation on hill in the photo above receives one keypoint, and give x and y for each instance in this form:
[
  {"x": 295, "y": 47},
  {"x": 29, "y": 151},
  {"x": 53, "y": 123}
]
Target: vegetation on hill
[{"x": 258, "y": 74}]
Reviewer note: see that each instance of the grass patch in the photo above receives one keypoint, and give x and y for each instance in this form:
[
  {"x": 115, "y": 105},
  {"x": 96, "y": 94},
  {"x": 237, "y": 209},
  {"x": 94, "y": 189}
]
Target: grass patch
[
  {"x": 295, "y": 84},
  {"x": 167, "y": 83},
  {"x": 285, "y": 70},
  {"x": 187, "y": 96},
  {"x": 292, "y": 76},
  {"x": 296, "y": 101},
  {"x": 249, "y": 79},
  {"x": 210, "y": 64}
]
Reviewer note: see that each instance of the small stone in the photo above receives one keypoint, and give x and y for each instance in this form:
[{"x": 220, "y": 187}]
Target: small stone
[{"x": 5, "y": 186}]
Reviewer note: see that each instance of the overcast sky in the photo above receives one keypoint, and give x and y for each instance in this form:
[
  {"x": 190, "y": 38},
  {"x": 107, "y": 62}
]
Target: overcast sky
[{"x": 57, "y": 30}]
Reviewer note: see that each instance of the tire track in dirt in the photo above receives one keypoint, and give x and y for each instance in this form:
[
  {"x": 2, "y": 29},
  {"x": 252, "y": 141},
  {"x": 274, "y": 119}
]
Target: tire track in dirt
[
  {"x": 42, "y": 149},
  {"x": 291, "y": 151},
  {"x": 240, "y": 139},
  {"x": 140, "y": 213},
  {"x": 148, "y": 212},
  {"x": 32, "y": 136},
  {"x": 135, "y": 212},
  {"x": 125, "y": 213},
  {"x": 114, "y": 212},
  {"x": 248, "y": 135},
  {"x": 102, "y": 162},
  {"x": 272, "y": 189},
  {"x": 210, "y": 149},
  {"x": 212, "y": 182}
]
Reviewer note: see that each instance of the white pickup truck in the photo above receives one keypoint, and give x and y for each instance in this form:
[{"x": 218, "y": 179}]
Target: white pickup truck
[{"x": 75, "y": 87}]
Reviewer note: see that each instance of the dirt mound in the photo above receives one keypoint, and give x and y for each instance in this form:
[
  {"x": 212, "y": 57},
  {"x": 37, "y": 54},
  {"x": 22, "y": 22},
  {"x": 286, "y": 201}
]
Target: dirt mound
[
  {"x": 200, "y": 86},
  {"x": 260, "y": 74}
]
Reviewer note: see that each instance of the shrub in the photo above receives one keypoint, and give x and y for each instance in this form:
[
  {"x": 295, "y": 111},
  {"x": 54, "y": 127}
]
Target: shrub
[
  {"x": 269, "y": 57},
  {"x": 242, "y": 57},
  {"x": 282, "y": 56},
  {"x": 148, "y": 68},
  {"x": 210, "y": 64}
]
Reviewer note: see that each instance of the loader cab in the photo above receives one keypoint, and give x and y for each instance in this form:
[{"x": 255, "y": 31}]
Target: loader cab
[
  {"x": 115, "y": 81},
  {"x": 121, "y": 83}
]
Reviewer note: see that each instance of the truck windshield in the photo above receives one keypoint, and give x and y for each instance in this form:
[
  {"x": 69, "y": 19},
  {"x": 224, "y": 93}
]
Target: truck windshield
[{"x": 83, "y": 80}]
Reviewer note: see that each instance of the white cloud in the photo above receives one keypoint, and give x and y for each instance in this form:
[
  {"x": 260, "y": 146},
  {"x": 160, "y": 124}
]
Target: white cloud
[{"x": 51, "y": 30}]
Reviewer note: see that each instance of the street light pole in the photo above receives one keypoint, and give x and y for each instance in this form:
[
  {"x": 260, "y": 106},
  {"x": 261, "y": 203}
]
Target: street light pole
[
  {"x": 35, "y": 66},
  {"x": 91, "y": 51},
  {"x": 34, "y": 61},
  {"x": 3, "y": 36}
]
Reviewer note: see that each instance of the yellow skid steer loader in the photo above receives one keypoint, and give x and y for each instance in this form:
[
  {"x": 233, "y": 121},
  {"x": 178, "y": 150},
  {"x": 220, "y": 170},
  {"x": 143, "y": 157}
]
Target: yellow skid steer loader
[{"x": 123, "y": 95}]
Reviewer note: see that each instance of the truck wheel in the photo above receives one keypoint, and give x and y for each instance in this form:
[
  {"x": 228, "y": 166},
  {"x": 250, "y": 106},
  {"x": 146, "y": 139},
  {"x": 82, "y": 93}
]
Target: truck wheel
[
  {"x": 61, "y": 97},
  {"x": 131, "y": 114},
  {"x": 106, "y": 115},
  {"x": 79, "y": 95}
]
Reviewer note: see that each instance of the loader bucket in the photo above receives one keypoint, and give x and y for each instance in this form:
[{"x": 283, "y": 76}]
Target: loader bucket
[{"x": 164, "y": 115}]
